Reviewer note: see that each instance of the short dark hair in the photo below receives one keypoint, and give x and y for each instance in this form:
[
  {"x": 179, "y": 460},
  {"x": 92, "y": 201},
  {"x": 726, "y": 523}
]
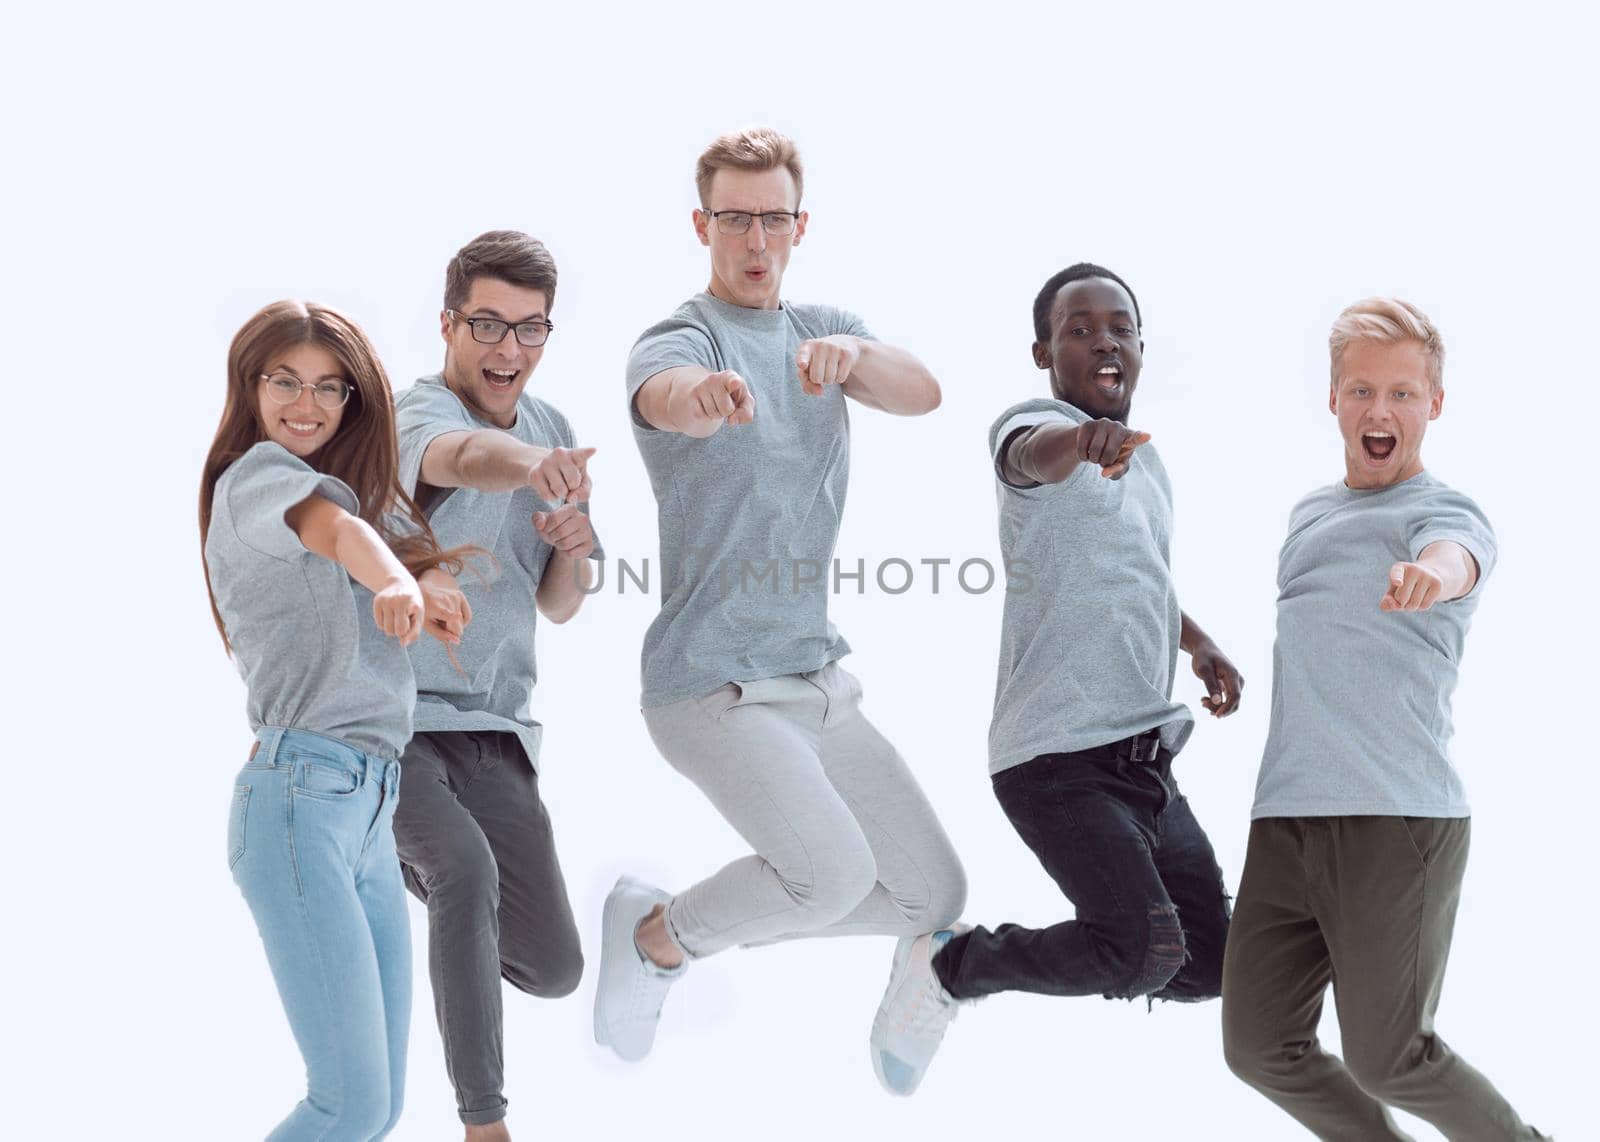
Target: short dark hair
[
  {"x": 1073, "y": 273},
  {"x": 506, "y": 255}
]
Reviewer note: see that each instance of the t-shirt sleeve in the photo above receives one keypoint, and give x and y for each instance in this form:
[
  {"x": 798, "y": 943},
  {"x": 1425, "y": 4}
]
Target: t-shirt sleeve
[
  {"x": 423, "y": 413},
  {"x": 669, "y": 344},
  {"x": 1014, "y": 420},
  {"x": 843, "y": 321},
  {"x": 1452, "y": 517},
  {"x": 265, "y": 483}
]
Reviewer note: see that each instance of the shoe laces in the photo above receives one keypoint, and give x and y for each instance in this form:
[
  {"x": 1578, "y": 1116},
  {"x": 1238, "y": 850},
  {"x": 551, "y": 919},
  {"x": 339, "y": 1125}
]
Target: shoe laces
[
  {"x": 649, "y": 993},
  {"x": 929, "y": 1013}
]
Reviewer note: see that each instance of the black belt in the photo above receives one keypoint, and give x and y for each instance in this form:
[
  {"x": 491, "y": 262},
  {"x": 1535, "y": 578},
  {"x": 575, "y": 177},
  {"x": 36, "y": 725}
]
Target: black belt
[{"x": 1140, "y": 747}]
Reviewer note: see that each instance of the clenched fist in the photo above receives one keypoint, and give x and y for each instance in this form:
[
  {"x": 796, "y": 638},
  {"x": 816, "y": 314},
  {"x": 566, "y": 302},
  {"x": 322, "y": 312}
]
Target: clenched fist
[
  {"x": 562, "y": 475},
  {"x": 726, "y": 396},
  {"x": 397, "y": 609},
  {"x": 825, "y": 361},
  {"x": 1412, "y": 587},
  {"x": 445, "y": 610},
  {"x": 1110, "y": 444},
  {"x": 567, "y": 530}
]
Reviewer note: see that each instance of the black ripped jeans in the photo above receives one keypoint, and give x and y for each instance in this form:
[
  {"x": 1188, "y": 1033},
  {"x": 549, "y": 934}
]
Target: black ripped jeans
[{"x": 1111, "y": 828}]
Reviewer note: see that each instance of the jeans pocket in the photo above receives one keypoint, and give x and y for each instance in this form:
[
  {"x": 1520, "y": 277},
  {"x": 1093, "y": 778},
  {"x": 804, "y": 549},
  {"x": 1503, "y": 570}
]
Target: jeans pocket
[
  {"x": 236, "y": 819},
  {"x": 328, "y": 782}
]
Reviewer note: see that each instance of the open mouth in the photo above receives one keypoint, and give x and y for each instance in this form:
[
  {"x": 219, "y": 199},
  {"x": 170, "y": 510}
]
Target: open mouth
[
  {"x": 500, "y": 380},
  {"x": 1378, "y": 446},
  {"x": 305, "y": 428},
  {"x": 1108, "y": 378}
]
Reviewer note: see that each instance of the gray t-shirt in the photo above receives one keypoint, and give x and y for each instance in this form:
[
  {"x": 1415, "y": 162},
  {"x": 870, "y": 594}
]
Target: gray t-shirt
[
  {"x": 1360, "y": 696},
  {"x": 302, "y": 631},
  {"x": 496, "y": 652},
  {"x": 749, "y": 516},
  {"x": 1089, "y": 637}
]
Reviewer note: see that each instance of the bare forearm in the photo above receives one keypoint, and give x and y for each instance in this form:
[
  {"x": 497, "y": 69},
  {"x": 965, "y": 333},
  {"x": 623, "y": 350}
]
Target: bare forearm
[
  {"x": 1191, "y": 635},
  {"x": 1455, "y": 566},
  {"x": 1043, "y": 454},
  {"x": 361, "y": 551},
  {"x": 490, "y": 461},
  {"x": 667, "y": 402},
  {"x": 889, "y": 378},
  {"x": 562, "y": 589}
]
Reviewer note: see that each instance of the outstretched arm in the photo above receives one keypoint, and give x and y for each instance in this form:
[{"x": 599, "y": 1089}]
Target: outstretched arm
[
  {"x": 326, "y": 529},
  {"x": 695, "y": 401},
  {"x": 494, "y": 461},
  {"x": 1223, "y": 682},
  {"x": 1048, "y": 453}
]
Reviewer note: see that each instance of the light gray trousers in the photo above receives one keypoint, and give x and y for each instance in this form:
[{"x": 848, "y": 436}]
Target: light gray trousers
[{"x": 845, "y": 841}]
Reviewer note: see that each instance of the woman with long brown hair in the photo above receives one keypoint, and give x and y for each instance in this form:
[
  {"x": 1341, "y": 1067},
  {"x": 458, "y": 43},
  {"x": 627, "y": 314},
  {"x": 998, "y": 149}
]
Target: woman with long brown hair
[{"x": 322, "y": 571}]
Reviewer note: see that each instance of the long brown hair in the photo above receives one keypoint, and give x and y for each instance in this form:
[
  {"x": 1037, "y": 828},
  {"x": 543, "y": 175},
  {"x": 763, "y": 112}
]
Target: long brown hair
[{"x": 362, "y": 452}]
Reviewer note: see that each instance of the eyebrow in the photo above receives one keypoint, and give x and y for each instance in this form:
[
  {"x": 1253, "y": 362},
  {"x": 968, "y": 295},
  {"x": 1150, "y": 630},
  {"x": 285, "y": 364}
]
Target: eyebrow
[
  {"x": 495, "y": 314},
  {"x": 290, "y": 370},
  {"x": 1091, "y": 313}
]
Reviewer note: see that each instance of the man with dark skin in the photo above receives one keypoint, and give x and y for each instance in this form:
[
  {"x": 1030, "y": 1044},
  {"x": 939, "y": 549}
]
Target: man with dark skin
[{"x": 1085, "y": 728}]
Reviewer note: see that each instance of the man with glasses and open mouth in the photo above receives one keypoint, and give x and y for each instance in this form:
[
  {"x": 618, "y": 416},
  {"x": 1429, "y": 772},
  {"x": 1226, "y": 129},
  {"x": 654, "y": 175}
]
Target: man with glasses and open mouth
[
  {"x": 494, "y": 466},
  {"x": 738, "y": 407}
]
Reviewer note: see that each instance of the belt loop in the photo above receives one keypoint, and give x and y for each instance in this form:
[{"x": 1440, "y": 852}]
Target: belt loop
[{"x": 272, "y": 738}]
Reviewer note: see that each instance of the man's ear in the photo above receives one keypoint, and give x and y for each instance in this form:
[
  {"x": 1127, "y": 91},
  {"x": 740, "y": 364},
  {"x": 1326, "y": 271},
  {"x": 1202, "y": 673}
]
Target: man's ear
[{"x": 1041, "y": 355}]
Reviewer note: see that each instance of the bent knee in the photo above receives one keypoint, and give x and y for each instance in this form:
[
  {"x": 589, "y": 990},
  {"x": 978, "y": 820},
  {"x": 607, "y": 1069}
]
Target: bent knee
[
  {"x": 395, "y": 1106},
  {"x": 554, "y": 977},
  {"x": 361, "y": 1116},
  {"x": 461, "y": 868},
  {"x": 1158, "y": 951},
  {"x": 1247, "y": 1056},
  {"x": 1386, "y": 1074},
  {"x": 833, "y": 884},
  {"x": 944, "y": 898}
]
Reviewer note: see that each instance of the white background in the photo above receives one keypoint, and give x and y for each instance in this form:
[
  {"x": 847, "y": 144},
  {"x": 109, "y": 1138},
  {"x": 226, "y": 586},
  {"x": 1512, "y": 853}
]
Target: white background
[{"x": 1249, "y": 171}]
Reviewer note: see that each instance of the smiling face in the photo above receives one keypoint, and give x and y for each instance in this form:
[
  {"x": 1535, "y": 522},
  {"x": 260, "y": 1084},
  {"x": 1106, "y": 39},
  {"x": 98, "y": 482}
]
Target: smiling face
[
  {"x": 747, "y": 269},
  {"x": 1094, "y": 354},
  {"x": 303, "y": 426},
  {"x": 1384, "y": 400},
  {"x": 490, "y": 378}
]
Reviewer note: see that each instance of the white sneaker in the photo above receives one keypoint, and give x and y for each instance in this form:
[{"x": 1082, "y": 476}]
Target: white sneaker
[
  {"x": 912, "y": 1018},
  {"x": 627, "y": 1003}
]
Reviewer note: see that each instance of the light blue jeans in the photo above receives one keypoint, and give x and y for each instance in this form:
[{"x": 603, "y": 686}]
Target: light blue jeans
[{"x": 311, "y": 847}]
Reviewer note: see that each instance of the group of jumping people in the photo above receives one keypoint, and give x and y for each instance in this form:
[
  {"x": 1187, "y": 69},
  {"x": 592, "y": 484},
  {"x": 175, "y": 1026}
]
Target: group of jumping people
[{"x": 376, "y": 563}]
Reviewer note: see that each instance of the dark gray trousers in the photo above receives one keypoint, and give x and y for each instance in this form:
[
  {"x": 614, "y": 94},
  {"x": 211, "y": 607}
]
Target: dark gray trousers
[
  {"x": 476, "y": 846},
  {"x": 1367, "y": 904}
]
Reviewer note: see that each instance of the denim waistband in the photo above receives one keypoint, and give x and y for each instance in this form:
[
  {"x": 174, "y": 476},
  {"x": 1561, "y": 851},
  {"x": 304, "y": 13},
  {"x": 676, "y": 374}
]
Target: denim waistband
[{"x": 271, "y": 741}]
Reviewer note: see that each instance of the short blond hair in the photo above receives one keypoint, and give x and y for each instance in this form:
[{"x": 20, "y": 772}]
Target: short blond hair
[
  {"x": 752, "y": 149},
  {"x": 1388, "y": 320}
]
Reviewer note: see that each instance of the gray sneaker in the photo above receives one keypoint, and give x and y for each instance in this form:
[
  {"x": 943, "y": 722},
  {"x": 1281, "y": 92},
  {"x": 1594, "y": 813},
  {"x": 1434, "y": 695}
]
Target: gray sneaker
[
  {"x": 912, "y": 1018},
  {"x": 627, "y": 1003}
]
